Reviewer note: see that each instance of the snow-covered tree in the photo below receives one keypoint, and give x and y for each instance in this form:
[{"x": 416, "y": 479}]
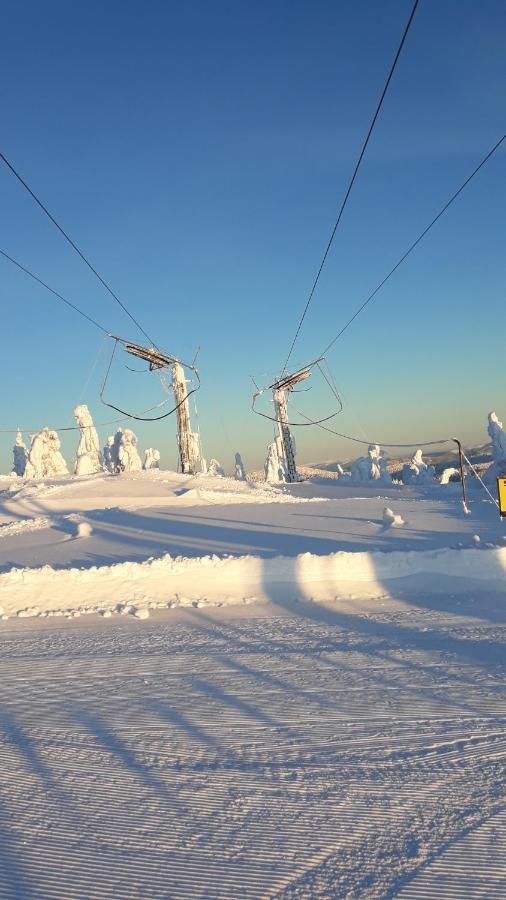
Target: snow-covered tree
[
  {"x": 151, "y": 459},
  {"x": 274, "y": 466},
  {"x": 498, "y": 438},
  {"x": 128, "y": 455},
  {"x": 372, "y": 467},
  {"x": 44, "y": 458},
  {"x": 215, "y": 468},
  {"x": 109, "y": 454},
  {"x": 417, "y": 471},
  {"x": 240, "y": 471},
  {"x": 447, "y": 474},
  {"x": 89, "y": 458},
  {"x": 20, "y": 454}
]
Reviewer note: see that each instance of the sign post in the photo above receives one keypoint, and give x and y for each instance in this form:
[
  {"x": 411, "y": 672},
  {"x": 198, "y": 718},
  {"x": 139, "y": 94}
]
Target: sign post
[{"x": 501, "y": 493}]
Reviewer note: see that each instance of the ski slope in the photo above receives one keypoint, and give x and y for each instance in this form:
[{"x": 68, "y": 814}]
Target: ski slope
[{"x": 266, "y": 751}]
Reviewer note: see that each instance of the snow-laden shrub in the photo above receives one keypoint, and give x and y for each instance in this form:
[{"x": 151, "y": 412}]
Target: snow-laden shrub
[
  {"x": 240, "y": 471},
  {"x": 151, "y": 459},
  {"x": 20, "y": 454},
  {"x": 274, "y": 467},
  {"x": 417, "y": 471},
  {"x": 498, "y": 438},
  {"x": 128, "y": 459},
  {"x": 215, "y": 468},
  {"x": 448, "y": 474},
  {"x": 110, "y": 460},
  {"x": 89, "y": 458},
  {"x": 44, "y": 458},
  {"x": 372, "y": 467}
]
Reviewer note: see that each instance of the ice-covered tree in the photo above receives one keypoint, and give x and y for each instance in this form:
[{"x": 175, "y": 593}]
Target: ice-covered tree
[
  {"x": 447, "y": 474},
  {"x": 20, "y": 454},
  {"x": 274, "y": 466},
  {"x": 151, "y": 459},
  {"x": 372, "y": 467},
  {"x": 108, "y": 452},
  {"x": 215, "y": 468},
  {"x": 44, "y": 458},
  {"x": 89, "y": 458},
  {"x": 128, "y": 455},
  {"x": 418, "y": 471},
  {"x": 240, "y": 471},
  {"x": 498, "y": 438}
]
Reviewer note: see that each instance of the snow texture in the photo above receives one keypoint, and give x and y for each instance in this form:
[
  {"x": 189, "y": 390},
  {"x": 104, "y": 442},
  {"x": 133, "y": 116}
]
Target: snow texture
[
  {"x": 417, "y": 471},
  {"x": 240, "y": 471},
  {"x": 89, "y": 458},
  {"x": 128, "y": 459},
  {"x": 372, "y": 467},
  {"x": 151, "y": 459},
  {"x": 44, "y": 458},
  {"x": 20, "y": 454},
  {"x": 84, "y": 530}
]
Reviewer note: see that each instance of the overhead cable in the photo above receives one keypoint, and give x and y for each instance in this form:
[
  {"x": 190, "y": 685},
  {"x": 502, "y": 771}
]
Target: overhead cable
[
  {"x": 74, "y": 246},
  {"x": 353, "y": 177},
  {"x": 415, "y": 243},
  {"x": 56, "y": 294}
]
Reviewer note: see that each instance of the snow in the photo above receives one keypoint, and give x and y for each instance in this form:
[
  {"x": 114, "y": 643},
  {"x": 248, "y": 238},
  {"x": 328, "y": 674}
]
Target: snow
[
  {"x": 44, "y": 457},
  {"x": 372, "y": 467},
  {"x": 151, "y": 459},
  {"x": 240, "y": 471},
  {"x": 20, "y": 455},
  {"x": 418, "y": 471},
  {"x": 275, "y": 468},
  {"x": 286, "y": 750},
  {"x": 498, "y": 438},
  {"x": 215, "y": 469},
  {"x": 89, "y": 458},
  {"x": 219, "y": 688},
  {"x": 392, "y": 519},
  {"x": 128, "y": 459}
]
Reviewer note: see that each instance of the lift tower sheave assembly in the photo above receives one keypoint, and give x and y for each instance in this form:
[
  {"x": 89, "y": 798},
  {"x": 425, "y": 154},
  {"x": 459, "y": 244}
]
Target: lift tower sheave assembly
[
  {"x": 190, "y": 454},
  {"x": 286, "y": 445}
]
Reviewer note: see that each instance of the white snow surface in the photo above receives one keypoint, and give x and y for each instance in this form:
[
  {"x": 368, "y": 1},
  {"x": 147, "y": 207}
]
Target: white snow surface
[
  {"x": 320, "y": 712},
  {"x": 157, "y": 539}
]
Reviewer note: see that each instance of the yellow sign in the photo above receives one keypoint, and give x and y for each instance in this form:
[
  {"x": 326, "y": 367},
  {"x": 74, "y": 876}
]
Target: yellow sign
[{"x": 501, "y": 490}]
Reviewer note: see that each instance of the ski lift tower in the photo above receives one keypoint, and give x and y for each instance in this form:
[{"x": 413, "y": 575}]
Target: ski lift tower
[
  {"x": 190, "y": 453},
  {"x": 286, "y": 444}
]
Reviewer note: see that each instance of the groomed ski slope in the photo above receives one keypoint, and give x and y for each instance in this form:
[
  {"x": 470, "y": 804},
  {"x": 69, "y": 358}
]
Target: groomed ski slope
[{"x": 262, "y": 751}]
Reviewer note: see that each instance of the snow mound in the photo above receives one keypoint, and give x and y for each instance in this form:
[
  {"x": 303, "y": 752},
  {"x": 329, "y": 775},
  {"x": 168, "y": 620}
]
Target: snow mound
[
  {"x": 84, "y": 530},
  {"x": 391, "y": 519}
]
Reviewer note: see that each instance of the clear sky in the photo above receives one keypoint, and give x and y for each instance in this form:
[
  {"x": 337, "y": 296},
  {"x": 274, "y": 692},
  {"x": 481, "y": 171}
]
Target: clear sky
[{"x": 198, "y": 153}]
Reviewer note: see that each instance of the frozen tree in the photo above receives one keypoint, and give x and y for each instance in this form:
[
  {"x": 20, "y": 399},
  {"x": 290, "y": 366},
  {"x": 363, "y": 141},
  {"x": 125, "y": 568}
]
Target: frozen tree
[
  {"x": 128, "y": 459},
  {"x": 216, "y": 469},
  {"x": 240, "y": 471},
  {"x": 20, "y": 454},
  {"x": 89, "y": 458},
  {"x": 372, "y": 467},
  {"x": 417, "y": 471},
  {"x": 109, "y": 455},
  {"x": 44, "y": 458},
  {"x": 151, "y": 459},
  {"x": 498, "y": 438},
  {"x": 447, "y": 474},
  {"x": 274, "y": 467}
]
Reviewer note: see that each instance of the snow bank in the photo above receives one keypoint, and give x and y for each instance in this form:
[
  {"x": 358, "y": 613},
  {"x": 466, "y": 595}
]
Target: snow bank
[{"x": 213, "y": 580}]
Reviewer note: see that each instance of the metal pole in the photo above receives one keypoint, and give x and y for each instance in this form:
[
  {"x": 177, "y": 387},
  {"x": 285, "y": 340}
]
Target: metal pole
[{"x": 462, "y": 473}]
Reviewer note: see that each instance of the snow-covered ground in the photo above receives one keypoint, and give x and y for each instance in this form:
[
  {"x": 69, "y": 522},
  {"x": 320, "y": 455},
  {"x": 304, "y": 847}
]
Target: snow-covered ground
[
  {"x": 277, "y": 750},
  {"x": 146, "y": 540},
  {"x": 313, "y": 704}
]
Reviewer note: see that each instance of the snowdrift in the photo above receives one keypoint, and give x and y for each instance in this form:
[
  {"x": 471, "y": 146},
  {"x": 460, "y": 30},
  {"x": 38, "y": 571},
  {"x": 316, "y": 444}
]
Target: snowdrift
[{"x": 211, "y": 580}]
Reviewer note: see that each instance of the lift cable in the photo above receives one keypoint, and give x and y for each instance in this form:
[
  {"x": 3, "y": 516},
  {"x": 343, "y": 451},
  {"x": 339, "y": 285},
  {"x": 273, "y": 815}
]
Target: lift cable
[
  {"x": 352, "y": 181},
  {"x": 415, "y": 243},
  {"x": 74, "y": 246},
  {"x": 56, "y": 294}
]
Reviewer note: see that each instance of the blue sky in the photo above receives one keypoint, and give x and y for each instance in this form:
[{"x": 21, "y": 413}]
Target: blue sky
[{"x": 198, "y": 154}]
